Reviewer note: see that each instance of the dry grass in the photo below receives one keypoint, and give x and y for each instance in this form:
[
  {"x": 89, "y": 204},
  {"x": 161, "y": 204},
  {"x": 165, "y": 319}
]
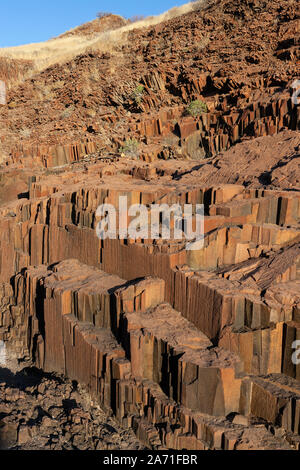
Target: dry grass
[{"x": 63, "y": 49}]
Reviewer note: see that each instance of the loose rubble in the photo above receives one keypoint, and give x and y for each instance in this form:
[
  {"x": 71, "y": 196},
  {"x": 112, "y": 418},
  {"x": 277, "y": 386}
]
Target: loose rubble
[{"x": 41, "y": 411}]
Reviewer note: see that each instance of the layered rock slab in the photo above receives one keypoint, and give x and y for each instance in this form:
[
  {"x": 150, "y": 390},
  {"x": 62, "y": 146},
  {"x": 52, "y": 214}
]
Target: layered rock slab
[{"x": 161, "y": 344}]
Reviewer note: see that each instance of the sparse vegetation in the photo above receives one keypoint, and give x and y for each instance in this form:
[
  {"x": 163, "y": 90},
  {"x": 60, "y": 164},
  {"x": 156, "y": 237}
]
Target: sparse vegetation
[
  {"x": 197, "y": 5},
  {"x": 130, "y": 148},
  {"x": 25, "y": 133},
  {"x": 45, "y": 92},
  {"x": 91, "y": 112},
  {"x": 68, "y": 111},
  {"x": 138, "y": 94},
  {"x": 103, "y": 14},
  {"x": 196, "y": 108},
  {"x": 170, "y": 141},
  {"x": 136, "y": 18},
  {"x": 203, "y": 43}
]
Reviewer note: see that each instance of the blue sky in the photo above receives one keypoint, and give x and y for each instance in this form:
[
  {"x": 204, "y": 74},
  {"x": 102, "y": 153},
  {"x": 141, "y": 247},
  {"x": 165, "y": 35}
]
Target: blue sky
[{"x": 26, "y": 21}]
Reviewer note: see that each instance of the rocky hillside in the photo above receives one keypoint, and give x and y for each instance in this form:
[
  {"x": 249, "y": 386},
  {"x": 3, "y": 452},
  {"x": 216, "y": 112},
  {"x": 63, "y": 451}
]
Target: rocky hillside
[
  {"x": 236, "y": 57},
  {"x": 105, "y": 22}
]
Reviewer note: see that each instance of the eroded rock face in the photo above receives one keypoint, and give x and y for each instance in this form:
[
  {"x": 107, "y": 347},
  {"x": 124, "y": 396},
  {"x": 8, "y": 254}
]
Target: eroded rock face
[
  {"x": 180, "y": 336},
  {"x": 189, "y": 349}
]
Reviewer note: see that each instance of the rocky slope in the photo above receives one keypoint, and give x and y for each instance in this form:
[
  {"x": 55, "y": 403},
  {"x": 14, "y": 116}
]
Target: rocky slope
[
  {"x": 105, "y": 22},
  {"x": 190, "y": 349}
]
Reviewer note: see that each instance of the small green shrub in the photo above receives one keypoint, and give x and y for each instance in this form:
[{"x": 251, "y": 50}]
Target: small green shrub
[
  {"x": 138, "y": 94},
  {"x": 130, "y": 148},
  {"x": 196, "y": 108}
]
